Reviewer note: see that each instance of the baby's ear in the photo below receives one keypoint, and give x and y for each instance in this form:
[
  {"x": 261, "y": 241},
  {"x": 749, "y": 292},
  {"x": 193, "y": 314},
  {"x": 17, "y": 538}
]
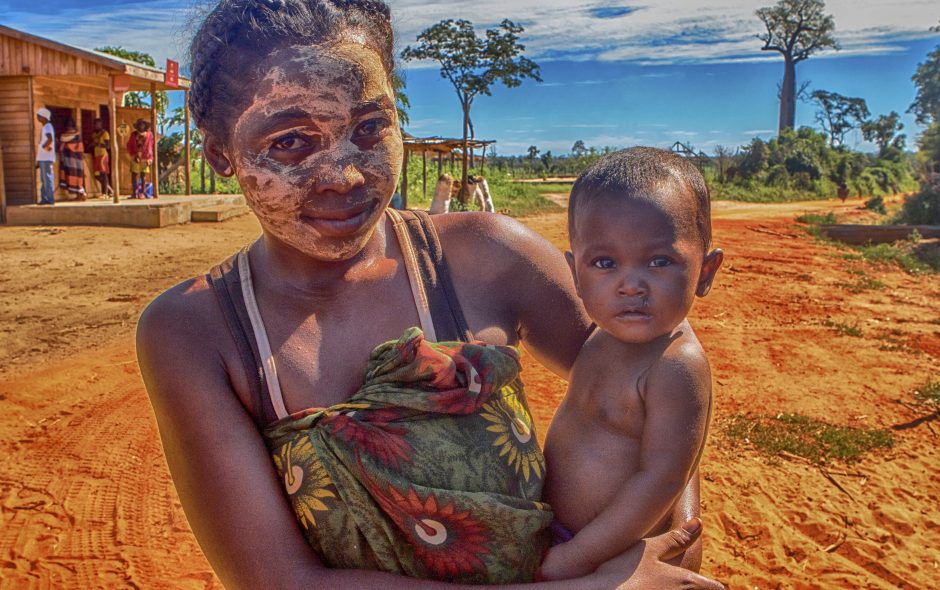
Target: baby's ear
[
  {"x": 569, "y": 257},
  {"x": 710, "y": 267}
]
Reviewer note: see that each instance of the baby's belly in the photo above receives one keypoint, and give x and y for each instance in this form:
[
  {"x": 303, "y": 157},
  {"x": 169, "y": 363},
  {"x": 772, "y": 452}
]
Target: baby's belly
[{"x": 587, "y": 475}]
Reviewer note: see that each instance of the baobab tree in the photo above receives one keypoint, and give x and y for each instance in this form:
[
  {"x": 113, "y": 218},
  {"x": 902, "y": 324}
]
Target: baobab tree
[{"x": 796, "y": 29}]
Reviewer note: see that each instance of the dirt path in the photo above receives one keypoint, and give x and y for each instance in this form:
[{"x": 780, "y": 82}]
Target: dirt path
[{"x": 86, "y": 501}]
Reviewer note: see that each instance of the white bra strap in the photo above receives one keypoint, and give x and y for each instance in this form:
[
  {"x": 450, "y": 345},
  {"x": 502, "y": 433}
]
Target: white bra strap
[
  {"x": 261, "y": 336},
  {"x": 414, "y": 276}
]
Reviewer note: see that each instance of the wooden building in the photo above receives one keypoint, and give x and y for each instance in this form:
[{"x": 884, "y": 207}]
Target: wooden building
[{"x": 74, "y": 84}]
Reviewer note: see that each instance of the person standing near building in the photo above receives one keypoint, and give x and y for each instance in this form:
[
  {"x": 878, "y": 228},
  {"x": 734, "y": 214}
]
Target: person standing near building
[
  {"x": 101, "y": 139},
  {"x": 72, "y": 162},
  {"x": 140, "y": 148},
  {"x": 45, "y": 157}
]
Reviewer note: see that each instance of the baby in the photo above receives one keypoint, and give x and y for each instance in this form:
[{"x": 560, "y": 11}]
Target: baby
[{"x": 628, "y": 436}]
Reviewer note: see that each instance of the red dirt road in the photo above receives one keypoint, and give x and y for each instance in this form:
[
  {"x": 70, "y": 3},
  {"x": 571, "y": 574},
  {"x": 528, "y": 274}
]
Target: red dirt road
[{"x": 86, "y": 501}]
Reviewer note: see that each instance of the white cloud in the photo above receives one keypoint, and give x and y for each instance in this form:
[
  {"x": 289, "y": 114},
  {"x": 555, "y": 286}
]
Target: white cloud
[{"x": 667, "y": 31}]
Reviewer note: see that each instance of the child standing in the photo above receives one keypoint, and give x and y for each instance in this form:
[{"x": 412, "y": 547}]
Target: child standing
[{"x": 629, "y": 434}]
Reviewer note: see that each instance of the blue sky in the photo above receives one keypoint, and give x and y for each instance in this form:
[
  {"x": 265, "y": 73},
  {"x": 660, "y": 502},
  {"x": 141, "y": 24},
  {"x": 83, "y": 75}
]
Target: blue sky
[{"x": 615, "y": 73}]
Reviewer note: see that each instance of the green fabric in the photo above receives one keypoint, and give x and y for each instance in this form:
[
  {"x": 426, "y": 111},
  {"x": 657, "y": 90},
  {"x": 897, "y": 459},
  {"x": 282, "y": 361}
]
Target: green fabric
[{"x": 431, "y": 470}]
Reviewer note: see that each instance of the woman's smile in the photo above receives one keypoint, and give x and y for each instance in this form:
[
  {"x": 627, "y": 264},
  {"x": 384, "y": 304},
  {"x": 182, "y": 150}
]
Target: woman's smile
[{"x": 339, "y": 222}]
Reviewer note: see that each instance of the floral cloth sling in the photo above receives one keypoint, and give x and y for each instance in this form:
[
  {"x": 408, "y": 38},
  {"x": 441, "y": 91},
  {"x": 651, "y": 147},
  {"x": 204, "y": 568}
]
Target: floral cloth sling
[{"x": 432, "y": 468}]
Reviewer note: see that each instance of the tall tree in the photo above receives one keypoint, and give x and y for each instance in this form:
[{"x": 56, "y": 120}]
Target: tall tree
[
  {"x": 473, "y": 65},
  {"x": 139, "y": 99},
  {"x": 796, "y": 29},
  {"x": 578, "y": 149},
  {"x": 884, "y": 131},
  {"x": 839, "y": 114},
  {"x": 926, "y": 105}
]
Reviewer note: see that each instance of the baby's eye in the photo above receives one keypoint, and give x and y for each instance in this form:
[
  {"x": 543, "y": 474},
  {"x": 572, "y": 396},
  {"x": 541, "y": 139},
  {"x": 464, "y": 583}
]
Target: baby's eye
[
  {"x": 292, "y": 142},
  {"x": 603, "y": 262},
  {"x": 659, "y": 262},
  {"x": 370, "y": 128}
]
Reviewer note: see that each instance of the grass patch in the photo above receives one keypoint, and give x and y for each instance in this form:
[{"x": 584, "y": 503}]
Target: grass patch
[
  {"x": 843, "y": 329},
  {"x": 862, "y": 284},
  {"x": 929, "y": 392},
  {"x": 818, "y": 218},
  {"x": 552, "y": 187},
  {"x": 899, "y": 254},
  {"x": 510, "y": 198},
  {"x": 759, "y": 194},
  {"x": 814, "y": 440}
]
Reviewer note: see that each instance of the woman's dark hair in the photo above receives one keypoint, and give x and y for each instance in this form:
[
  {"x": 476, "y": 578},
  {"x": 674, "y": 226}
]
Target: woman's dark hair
[{"x": 221, "y": 51}]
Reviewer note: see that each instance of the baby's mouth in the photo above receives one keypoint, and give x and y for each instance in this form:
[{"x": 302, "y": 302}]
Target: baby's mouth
[{"x": 638, "y": 313}]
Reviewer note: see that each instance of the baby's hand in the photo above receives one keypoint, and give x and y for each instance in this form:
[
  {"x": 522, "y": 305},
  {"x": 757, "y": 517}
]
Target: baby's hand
[{"x": 563, "y": 562}]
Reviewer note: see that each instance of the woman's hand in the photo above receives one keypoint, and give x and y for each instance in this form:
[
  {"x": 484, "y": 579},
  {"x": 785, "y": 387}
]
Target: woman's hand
[{"x": 644, "y": 563}]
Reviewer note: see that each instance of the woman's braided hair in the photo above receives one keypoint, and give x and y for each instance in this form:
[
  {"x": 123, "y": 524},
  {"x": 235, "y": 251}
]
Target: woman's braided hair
[{"x": 237, "y": 34}]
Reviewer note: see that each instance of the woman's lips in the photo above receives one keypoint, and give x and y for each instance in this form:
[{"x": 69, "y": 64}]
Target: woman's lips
[{"x": 339, "y": 222}]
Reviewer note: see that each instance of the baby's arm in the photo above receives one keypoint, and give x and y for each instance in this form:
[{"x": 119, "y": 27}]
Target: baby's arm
[{"x": 677, "y": 397}]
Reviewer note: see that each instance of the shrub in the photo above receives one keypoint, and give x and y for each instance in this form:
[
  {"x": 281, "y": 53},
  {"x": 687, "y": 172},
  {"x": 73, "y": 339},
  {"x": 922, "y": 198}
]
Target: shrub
[
  {"x": 924, "y": 207},
  {"x": 876, "y": 204}
]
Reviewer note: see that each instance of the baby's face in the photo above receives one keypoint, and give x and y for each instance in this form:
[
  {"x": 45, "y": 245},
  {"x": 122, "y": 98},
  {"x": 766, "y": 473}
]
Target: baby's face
[{"x": 637, "y": 266}]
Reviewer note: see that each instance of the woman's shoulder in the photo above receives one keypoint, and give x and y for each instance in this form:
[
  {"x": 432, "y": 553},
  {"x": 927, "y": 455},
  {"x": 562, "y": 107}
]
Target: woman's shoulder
[
  {"x": 185, "y": 315},
  {"x": 501, "y": 241}
]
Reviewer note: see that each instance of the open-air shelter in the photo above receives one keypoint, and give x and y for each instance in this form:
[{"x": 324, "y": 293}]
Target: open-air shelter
[
  {"x": 74, "y": 84},
  {"x": 438, "y": 148}
]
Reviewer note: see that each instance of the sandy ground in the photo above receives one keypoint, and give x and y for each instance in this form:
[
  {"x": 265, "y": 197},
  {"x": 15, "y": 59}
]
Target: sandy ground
[{"x": 87, "y": 502}]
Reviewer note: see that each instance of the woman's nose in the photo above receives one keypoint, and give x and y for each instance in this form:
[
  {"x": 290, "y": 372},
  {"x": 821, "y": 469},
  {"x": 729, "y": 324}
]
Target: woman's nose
[{"x": 339, "y": 178}]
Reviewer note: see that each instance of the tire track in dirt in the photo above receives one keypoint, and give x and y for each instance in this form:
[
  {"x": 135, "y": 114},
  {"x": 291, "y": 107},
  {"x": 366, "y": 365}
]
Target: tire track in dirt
[{"x": 87, "y": 500}]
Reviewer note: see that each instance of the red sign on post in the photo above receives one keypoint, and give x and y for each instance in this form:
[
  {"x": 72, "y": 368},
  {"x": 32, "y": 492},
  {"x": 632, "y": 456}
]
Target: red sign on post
[{"x": 172, "y": 77}]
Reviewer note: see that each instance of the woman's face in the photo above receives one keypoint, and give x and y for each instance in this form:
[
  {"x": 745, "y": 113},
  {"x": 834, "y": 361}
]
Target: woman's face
[{"x": 318, "y": 150}]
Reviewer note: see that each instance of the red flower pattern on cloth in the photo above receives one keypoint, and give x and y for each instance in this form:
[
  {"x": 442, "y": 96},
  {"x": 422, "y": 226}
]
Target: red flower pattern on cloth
[
  {"x": 372, "y": 435},
  {"x": 447, "y": 540}
]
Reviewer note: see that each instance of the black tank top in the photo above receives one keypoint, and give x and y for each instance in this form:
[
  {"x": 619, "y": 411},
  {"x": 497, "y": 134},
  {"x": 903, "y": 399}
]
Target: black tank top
[{"x": 448, "y": 319}]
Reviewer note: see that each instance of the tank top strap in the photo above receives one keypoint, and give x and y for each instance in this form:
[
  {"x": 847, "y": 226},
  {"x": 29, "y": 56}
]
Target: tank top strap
[
  {"x": 415, "y": 278},
  {"x": 226, "y": 283},
  {"x": 446, "y": 313}
]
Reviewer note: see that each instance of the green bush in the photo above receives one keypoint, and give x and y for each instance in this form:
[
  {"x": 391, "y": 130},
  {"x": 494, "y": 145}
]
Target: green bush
[
  {"x": 924, "y": 207},
  {"x": 876, "y": 204}
]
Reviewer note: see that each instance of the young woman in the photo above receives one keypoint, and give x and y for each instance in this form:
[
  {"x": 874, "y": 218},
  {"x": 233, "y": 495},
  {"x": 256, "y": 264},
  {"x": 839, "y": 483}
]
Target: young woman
[{"x": 294, "y": 100}]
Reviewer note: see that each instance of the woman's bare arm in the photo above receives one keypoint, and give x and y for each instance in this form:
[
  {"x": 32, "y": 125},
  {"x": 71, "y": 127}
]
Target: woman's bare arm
[{"x": 228, "y": 486}]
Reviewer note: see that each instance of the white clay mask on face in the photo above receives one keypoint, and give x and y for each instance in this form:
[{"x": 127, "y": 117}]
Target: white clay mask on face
[{"x": 318, "y": 150}]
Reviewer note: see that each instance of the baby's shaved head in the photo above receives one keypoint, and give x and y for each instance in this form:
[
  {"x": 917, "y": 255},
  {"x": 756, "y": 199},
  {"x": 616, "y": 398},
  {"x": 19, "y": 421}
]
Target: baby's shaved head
[{"x": 648, "y": 174}]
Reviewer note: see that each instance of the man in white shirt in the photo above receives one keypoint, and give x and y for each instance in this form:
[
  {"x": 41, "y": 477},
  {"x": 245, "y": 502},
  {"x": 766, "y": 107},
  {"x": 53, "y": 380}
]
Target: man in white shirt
[{"x": 45, "y": 157}]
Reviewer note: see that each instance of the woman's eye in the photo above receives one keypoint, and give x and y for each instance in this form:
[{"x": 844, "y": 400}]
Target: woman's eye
[
  {"x": 604, "y": 263},
  {"x": 370, "y": 128},
  {"x": 292, "y": 142},
  {"x": 659, "y": 262}
]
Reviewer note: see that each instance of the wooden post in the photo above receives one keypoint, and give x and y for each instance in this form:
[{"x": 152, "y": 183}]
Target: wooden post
[
  {"x": 452, "y": 161},
  {"x": 155, "y": 169},
  {"x": 482, "y": 159},
  {"x": 424, "y": 169},
  {"x": 33, "y": 148},
  {"x": 115, "y": 155},
  {"x": 404, "y": 180},
  {"x": 440, "y": 163},
  {"x": 189, "y": 185}
]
